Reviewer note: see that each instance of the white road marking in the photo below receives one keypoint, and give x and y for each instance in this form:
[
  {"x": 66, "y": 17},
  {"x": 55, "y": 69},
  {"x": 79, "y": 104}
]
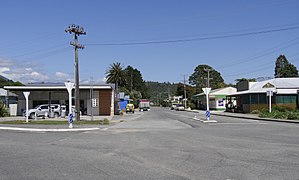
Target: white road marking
[{"x": 48, "y": 130}]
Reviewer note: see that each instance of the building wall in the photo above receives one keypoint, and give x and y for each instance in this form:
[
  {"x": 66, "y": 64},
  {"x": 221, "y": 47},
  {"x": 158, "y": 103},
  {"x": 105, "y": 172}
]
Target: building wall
[{"x": 105, "y": 102}]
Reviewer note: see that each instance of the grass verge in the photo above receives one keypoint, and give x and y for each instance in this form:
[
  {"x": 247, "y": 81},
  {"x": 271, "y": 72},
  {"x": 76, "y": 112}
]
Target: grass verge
[{"x": 53, "y": 122}]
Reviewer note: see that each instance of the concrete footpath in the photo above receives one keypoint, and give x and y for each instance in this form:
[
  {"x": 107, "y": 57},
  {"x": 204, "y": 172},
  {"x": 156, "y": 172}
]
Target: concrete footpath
[{"x": 244, "y": 116}]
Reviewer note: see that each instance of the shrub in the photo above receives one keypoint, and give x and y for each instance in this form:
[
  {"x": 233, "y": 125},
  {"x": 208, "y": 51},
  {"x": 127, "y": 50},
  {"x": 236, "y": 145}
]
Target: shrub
[
  {"x": 279, "y": 108},
  {"x": 192, "y": 105},
  {"x": 255, "y": 112},
  {"x": 280, "y": 115},
  {"x": 265, "y": 114},
  {"x": 3, "y": 111},
  {"x": 106, "y": 121},
  {"x": 293, "y": 115}
]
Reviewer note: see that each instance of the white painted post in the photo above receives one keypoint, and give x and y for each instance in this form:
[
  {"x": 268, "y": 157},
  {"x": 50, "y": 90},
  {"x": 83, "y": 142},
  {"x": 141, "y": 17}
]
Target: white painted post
[
  {"x": 270, "y": 108},
  {"x": 270, "y": 94},
  {"x": 69, "y": 87},
  {"x": 26, "y": 94},
  {"x": 207, "y": 92}
]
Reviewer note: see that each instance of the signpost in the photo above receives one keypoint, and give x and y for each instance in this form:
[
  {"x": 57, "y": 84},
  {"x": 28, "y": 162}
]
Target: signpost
[
  {"x": 207, "y": 92},
  {"x": 26, "y": 94},
  {"x": 270, "y": 94},
  {"x": 69, "y": 87}
]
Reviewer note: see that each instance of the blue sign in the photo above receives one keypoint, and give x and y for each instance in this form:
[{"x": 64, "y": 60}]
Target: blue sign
[
  {"x": 208, "y": 114},
  {"x": 71, "y": 118}
]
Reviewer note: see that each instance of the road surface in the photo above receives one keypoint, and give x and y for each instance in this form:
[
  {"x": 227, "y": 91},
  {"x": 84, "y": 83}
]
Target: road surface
[{"x": 159, "y": 144}]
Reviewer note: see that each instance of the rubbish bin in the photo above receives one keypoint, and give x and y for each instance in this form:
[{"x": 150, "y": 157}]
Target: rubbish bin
[
  {"x": 51, "y": 113},
  {"x": 63, "y": 111}
]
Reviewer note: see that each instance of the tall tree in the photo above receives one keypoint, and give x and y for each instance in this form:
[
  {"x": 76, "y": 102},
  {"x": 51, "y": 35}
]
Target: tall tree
[
  {"x": 284, "y": 69},
  {"x": 245, "y": 79},
  {"x": 199, "y": 78},
  {"x": 115, "y": 74},
  {"x": 190, "y": 91},
  {"x": 135, "y": 81}
]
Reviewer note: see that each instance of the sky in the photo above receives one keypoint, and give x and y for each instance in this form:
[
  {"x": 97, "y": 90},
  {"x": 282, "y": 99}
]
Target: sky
[{"x": 163, "y": 39}]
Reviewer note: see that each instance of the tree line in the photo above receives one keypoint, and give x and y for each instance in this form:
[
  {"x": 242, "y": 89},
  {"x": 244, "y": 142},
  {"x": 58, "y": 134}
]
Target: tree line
[{"x": 130, "y": 81}]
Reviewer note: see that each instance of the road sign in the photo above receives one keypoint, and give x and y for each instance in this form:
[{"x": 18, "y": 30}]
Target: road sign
[
  {"x": 94, "y": 102},
  {"x": 269, "y": 93},
  {"x": 71, "y": 118},
  {"x": 208, "y": 114},
  {"x": 206, "y": 90},
  {"x": 26, "y": 94}
]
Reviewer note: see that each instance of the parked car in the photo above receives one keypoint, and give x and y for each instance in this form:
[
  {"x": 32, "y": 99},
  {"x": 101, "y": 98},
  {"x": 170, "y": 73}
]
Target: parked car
[
  {"x": 173, "y": 106},
  {"x": 43, "y": 111},
  {"x": 179, "y": 107},
  {"x": 130, "y": 108}
]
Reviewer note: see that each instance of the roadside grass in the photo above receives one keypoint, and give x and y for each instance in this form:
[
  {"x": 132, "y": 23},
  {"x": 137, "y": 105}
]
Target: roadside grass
[{"x": 53, "y": 122}]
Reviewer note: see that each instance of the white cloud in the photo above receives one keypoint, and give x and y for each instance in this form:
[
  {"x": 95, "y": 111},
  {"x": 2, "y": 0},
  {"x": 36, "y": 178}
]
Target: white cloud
[
  {"x": 61, "y": 75},
  {"x": 22, "y": 71},
  {"x": 94, "y": 81},
  {"x": 4, "y": 69}
]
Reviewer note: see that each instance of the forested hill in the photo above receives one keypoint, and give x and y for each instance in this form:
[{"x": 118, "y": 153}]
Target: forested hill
[
  {"x": 7, "y": 82},
  {"x": 158, "y": 91}
]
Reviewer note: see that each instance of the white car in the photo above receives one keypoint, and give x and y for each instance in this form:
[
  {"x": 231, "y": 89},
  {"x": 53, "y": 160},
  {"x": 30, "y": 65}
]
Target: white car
[
  {"x": 43, "y": 111},
  {"x": 179, "y": 107}
]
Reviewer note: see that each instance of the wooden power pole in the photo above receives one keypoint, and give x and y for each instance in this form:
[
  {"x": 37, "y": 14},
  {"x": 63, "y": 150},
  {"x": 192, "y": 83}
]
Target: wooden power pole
[{"x": 77, "y": 30}]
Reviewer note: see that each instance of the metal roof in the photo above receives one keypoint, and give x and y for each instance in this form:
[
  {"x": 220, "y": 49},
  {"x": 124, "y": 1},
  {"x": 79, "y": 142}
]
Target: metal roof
[
  {"x": 55, "y": 87},
  {"x": 290, "y": 86}
]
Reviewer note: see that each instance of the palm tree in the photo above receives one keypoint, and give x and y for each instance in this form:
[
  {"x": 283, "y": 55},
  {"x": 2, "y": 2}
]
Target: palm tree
[{"x": 115, "y": 74}]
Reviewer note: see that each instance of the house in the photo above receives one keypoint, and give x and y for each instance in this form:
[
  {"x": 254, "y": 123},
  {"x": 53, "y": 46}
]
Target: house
[
  {"x": 252, "y": 96},
  {"x": 217, "y": 98},
  {"x": 58, "y": 94}
]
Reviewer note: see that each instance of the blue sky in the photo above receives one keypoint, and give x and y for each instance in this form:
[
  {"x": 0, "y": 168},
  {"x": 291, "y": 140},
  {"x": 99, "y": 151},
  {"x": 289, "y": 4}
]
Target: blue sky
[{"x": 34, "y": 46}]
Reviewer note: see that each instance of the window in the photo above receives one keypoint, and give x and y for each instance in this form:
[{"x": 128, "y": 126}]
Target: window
[
  {"x": 254, "y": 98},
  {"x": 262, "y": 99},
  {"x": 286, "y": 99}
]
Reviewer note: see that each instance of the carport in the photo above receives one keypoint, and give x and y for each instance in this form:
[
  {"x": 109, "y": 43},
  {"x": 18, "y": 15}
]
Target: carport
[{"x": 57, "y": 94}]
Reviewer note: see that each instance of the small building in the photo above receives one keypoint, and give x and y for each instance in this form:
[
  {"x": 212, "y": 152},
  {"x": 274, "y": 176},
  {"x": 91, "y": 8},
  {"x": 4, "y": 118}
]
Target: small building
[
  {"x": 217, "y": 98},
  {"x": 252, "y": 96},
  {"x": 58, "y": 94},
  {"x": 7, "y": 97}
]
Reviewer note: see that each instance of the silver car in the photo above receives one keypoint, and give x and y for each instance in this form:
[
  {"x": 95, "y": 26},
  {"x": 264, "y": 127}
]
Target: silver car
[{"x": 43, "y": 111}]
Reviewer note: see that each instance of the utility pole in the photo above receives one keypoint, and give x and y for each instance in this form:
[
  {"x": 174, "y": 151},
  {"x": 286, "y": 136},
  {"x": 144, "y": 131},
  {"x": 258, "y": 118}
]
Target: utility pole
[
  {"x": 185, "y": 93},
  {"x": 91, "y": 98},
  {"x": 131, "y": 81},
  {"x": 77, "y": 30},
  {"x": 208, "y": 79}
]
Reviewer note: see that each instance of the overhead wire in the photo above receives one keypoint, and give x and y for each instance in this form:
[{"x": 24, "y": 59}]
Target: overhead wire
[
  {"x": 261, "y": 54},
  {"x": 195, "y": 39},
  {"x": 39, "y": 51}
]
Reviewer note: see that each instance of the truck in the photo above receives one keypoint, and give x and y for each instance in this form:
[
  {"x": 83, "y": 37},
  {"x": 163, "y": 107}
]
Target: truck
[{"x": 144, "y": 105}]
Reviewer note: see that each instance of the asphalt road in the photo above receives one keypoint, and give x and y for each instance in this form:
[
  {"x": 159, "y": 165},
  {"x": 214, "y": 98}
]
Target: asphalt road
[{"x": 159, "y": 144}]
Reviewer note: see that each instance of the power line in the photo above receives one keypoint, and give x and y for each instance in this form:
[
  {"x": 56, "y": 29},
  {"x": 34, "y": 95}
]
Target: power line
[
  {"x": 261, "y": 54},
  {"x": 195, "y": 39},
  {"x": 39, "y": 51}
]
